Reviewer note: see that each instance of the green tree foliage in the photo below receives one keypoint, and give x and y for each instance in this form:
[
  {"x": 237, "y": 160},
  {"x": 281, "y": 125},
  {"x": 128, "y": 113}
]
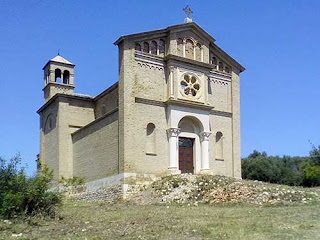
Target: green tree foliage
[
  {"x": 23, "y": 196},
  {"x": 274, "y": 169},
  {"x": 311, "y": 168}
]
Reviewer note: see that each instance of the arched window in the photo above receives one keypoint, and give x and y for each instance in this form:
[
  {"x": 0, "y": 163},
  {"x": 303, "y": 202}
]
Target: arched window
[
  {"x": 227, "y": 69},
  {"x": 57, "y": 75},
  {"x": 198, "y": 52},
  {"x": 103, "y": 110},
  {"x": 48, "y": 125},
  {"x": 66, "y": 77},
  {"x": 138, "y": 47},
  {"x": 151, "y": 139},
  {"x": 162, "y": 47},
  {"x": 189, "y": 49},
  {"x": 214, "y": 62},
  {"x": 180, "y": 47},
  {"x": 146, "y": 47},
  {"x": 220, "y": 66},
  {"x": 219, "y": 145},
  {"x": 154, "y": 47}
]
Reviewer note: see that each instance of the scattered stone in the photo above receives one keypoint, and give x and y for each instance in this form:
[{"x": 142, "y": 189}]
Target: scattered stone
[
  {"x": 16, "y": 235},
  {"x": 196, "y": 189}
]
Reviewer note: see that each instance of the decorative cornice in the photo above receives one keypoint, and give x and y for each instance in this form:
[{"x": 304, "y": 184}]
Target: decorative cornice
[
  {"x": 183, "y": 103},
  {"x": 150, "y": 102},
  {"x": 149, "y": 58},
  {"x": 165, "y": 31},
  {"x": 190, "y": 104},
  {"x": 59, "y": 85},
  {"x": 177, "y": 59},
  {"x": 226, "y": 57},
  {"x": 150, "y": 66},
  {"x": 221, "y": 113},
  {"x": 216, "y": 75},
  {"x": 60, "y": 95},
  {"x": 221, "y": 82}
]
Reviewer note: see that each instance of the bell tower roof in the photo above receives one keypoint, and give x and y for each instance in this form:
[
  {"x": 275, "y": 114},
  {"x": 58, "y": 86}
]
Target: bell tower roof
[{"x": 59, "y": 59}]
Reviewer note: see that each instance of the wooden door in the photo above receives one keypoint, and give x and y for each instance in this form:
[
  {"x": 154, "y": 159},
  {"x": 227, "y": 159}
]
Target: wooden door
[{"x": 186, "y": 155}]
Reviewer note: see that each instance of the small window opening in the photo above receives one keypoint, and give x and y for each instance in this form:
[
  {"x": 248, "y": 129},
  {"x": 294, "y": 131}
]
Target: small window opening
[
  {"x": 57, "y": 75},
  {"x": 66, "y": 77},
  {"x": 189, "y": 49},
  {"x": 220, "y": 66},
  {"x": 227, "y": 69},
  {"x": 154, "y": 47},
  {"x": 138, "y": 47},
  {"x": 146, "y": 47},
  {"x": 162, "y": 46},
  {"x": 214, "y": 61}
]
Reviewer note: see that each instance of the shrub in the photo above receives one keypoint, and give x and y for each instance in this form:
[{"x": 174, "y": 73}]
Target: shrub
[{"x": 23, "y": 196}]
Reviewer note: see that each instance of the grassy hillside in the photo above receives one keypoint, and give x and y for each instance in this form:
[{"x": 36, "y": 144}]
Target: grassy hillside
[
  {"x": 129, "y": 221},
  {"x": 185, "y": 207}
]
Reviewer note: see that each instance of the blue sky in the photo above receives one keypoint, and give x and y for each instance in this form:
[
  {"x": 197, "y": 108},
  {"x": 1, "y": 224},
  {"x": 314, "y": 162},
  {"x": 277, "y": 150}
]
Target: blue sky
[{"x": 277, "y": 41}]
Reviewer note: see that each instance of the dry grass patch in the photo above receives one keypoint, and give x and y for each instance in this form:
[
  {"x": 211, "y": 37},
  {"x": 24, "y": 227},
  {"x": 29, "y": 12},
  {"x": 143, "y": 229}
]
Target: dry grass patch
[{"x": 128, "y": 221}]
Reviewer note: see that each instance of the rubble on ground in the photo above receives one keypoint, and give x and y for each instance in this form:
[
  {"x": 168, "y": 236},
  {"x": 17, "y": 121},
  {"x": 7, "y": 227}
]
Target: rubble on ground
[{"x": 196, "y": 189}]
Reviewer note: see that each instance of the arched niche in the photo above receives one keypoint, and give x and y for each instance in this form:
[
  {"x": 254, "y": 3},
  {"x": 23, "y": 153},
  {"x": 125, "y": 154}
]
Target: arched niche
[
  {"x": 151, "y": 139},
  {"x": 190, "y": 124}
]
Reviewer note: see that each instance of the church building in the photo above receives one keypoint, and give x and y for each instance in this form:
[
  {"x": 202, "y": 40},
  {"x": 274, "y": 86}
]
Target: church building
[{"x": 175, "y": 109}]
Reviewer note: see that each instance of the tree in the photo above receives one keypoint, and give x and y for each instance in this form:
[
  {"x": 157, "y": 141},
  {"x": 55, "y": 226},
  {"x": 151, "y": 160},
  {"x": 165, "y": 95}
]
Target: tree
[{"x": 23, "y": 196}]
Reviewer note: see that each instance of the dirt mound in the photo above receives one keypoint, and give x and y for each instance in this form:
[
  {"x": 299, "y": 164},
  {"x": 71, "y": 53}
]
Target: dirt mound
[{"x": 195, "y": 189}]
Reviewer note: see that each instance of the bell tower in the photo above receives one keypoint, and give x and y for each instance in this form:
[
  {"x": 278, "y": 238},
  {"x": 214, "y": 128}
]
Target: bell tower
[{"x": 58, "y": 77}]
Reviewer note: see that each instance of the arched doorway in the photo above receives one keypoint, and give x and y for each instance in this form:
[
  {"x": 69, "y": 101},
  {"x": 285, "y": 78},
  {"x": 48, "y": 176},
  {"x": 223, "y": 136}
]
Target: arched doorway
[
  {"x": 189, "y": 144},
  {"x": 186, "y": 163}
]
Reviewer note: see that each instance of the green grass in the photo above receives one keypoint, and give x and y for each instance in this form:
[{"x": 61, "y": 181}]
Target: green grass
[{"x": 128, "y": 221}]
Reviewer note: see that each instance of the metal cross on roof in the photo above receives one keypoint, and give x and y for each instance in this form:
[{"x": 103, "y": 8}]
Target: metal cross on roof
[{"x": 188, "y": 11}]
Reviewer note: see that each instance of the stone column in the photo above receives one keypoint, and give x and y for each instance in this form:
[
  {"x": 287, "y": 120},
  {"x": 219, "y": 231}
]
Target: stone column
[
  {"x": 184, "y": 47},
  {"x": 201, "y": 52},
  {"x": 204, "y": 137},
  {"x": 171, "y": 84},
  {"x": 173, "y": 134}
]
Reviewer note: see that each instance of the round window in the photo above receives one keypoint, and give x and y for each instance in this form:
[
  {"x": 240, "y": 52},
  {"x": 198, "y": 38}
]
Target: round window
[{"x": 190, "y": 86}]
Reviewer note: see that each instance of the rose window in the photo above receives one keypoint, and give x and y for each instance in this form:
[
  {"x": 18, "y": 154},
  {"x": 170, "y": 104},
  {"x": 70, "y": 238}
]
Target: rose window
[{"x": 190, "y": 85}]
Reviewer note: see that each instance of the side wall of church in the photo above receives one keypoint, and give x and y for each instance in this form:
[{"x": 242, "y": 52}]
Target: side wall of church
[
  {"x": 236, "y": 123},
  {"x": 95, "y": 148},
  {"x": 73, "y": 114},
  {"x": 49, "y": 138}
]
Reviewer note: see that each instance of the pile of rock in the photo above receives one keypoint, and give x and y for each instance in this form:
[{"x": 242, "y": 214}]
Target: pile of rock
[
  {"x": 195, "y": 189},
  {"x": 107, "y": 194}
]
